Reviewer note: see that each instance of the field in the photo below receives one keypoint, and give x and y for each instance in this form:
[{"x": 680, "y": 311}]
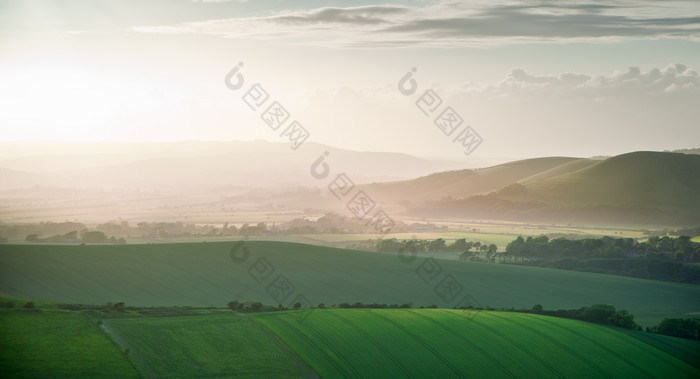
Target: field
[
  {"x": 452, "y": 343},
  {"x": 331, "y": 343},
  {"x": 223, "y": 345},
  {"x": 204, "y": 274},
  {"x": 57, "y": 344}
]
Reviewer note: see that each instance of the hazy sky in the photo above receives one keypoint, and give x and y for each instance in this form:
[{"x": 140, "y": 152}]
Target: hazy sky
[{"x": 532, "y": 78}]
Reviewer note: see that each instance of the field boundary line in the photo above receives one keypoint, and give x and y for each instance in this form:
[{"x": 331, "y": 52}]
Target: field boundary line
[
  {"x": 303, "y": 366},
  {"x": 512, "y": 342},
  {"x": 120, "y": 347},
  {"x": 420, "y": 341},
  {"x": 396, "y": 361},
  {"x": 470, "y": 343}
]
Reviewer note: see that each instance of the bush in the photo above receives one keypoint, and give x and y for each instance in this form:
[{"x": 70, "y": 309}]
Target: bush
[
  {"x": 28, "y": 305},
  {"x": 600, "y": 313},
  {"x": 683, "y": 328}
]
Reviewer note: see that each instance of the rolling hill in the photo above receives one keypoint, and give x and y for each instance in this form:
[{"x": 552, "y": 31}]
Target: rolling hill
[
  {"x": 330, "y": 343},
  {"x": 204, "y": 274},
  {"x": 463, "y": 183},
  {"x": 641, "y": 187},
  {"x": 453, "y": 343}
]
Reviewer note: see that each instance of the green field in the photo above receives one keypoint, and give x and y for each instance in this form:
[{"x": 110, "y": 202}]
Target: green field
[
  {"x": 221, "y": 345},
  {"x": 453, "y": 343},
  {"x": 57, "y": 344},
  {"x": 203, "y": 274},
  {"x": 331, "y": 343}
]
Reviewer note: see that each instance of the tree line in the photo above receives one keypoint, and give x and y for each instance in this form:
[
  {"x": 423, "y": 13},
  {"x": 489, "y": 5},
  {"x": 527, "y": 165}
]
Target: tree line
[
  {"x": 86, "y": 236},
  {"x": 660, "y": 258},
  {"x": 680, "y": 249},
  {"x": 393, "y": 245}
]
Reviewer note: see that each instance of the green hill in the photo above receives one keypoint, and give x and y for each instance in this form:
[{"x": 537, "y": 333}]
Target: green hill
[
  {"x": 462, "y": 183},
  {"x": 642, "y": 188},
  {"x": 661, "y": 180},
  {"x": 330, "y": 343},
  {"x": 203, "y": 274},
  {"x": 451, "y": 343}
]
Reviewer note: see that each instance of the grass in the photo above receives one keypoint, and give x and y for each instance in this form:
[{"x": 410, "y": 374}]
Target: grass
[
  {"x": 223, "y": 345},
  {"x": 683, "y": 349},
  {"x": 452, "y": 343},
  {"x": 57, "y": 344},
  {"x": 331, "y": 343},
  {"x": 203, "y": 275}
]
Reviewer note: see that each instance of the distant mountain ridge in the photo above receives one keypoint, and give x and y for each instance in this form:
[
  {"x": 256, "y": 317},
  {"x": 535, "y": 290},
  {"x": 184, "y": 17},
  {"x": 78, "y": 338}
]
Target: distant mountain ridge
[
  {"x": 638, "y": 187},
  {"x": 195, "y": 165}
]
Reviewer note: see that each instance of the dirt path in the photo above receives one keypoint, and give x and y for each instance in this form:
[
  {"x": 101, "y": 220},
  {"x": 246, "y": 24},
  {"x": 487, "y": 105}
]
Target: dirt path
[
  {"x": 307, "y": 371},
  {"x": 141, "y": 366}
]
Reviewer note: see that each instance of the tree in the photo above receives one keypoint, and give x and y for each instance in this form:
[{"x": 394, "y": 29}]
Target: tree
[
  {"x": 624, "y": 319},
  {"x": 600, "y": 313},
  {"x": 683, "y": 328},
  {"x": 437, "y": 245},
  {"x": 71, "y": 235},
  {"x": 28, "y": 305},
  {"x": 254, "y": 306},
  {"x": 469, "y": 246},
  {"x": 460, "y": 245},
  {"x": 32, "y": 238},
  {"x": 492, "y": 249},
  {"x": 93, "y": 237}
]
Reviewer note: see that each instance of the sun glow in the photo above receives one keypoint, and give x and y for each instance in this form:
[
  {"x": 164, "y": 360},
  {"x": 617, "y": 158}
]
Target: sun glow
[{"x": 73, "y": 102}]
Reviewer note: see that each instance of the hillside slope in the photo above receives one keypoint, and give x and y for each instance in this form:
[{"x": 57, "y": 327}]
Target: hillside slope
[
  {"x": 453, "y": 343},
  {"x": 640, "y": 187},
  {"x": 204, "y": 274},
  {"x": 463, "y": 183}
]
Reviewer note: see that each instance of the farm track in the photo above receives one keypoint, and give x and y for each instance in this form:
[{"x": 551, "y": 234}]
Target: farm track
[
  {"x": 304, "y": 367},
  {"x": 145, "y": 371}
]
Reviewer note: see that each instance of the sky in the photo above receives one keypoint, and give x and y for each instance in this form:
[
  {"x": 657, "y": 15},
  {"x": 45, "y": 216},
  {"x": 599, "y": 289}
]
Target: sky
[{"x": 452, "y": 79}]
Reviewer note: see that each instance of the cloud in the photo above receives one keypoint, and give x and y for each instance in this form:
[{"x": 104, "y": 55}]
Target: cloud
[
  {"x": 461, "y": 23},
  {"x": 217, "y": 1},
  {"x": 367, "y": 15},
  {"x": 673, "y": 84}
]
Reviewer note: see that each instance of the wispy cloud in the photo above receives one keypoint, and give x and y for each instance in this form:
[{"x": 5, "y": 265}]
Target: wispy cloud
[
  {"x": 460, "y": 23},
  {"x": 674, "y": 77}
]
